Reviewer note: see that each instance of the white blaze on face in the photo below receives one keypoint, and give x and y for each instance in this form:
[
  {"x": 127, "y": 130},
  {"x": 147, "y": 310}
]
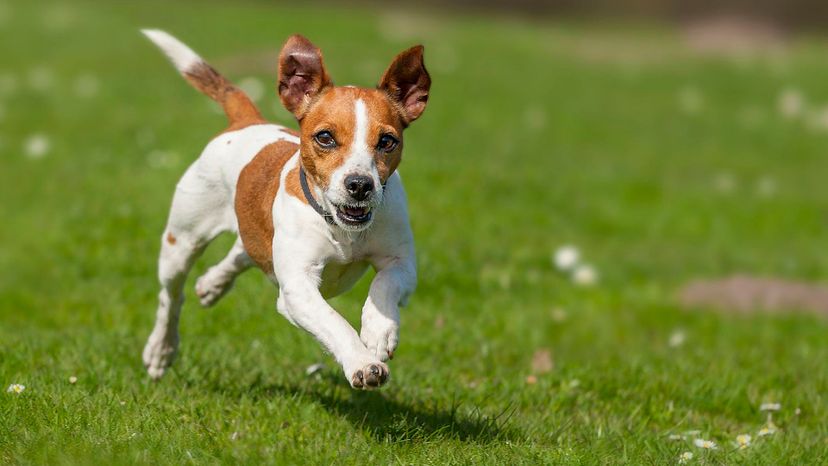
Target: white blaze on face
[
  {"x": 360, "y": 143},
  {"x": 360, "y": 161}
]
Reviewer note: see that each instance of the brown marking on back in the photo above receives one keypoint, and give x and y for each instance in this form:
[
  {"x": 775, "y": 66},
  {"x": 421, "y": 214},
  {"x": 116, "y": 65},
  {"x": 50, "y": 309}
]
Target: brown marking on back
[
  {"x": 171, "y": 238},
  {"x": 255, "y": 192}
]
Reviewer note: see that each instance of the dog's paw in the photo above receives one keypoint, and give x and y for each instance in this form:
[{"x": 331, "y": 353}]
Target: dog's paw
[
  {"x": 380, "y": 335},
  {"x": 158, "y": 355},
  {"x": 211, "y": 286},
  {"x": 370, "y": 376}
]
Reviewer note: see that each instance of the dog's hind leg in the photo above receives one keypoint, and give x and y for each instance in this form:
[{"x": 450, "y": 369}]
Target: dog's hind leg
[
  {"x": 199, "y": 213},
  {"x": 178, "y": 253},
  {"x": 218, "y": 280}
]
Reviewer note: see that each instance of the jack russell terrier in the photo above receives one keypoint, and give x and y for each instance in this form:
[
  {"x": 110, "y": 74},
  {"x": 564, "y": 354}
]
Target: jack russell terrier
[{"x": 312, "y": 209}]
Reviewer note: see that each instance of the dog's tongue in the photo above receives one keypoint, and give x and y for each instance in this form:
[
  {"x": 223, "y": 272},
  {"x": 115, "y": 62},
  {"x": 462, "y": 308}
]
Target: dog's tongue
[{"x": 355, "y": 211}]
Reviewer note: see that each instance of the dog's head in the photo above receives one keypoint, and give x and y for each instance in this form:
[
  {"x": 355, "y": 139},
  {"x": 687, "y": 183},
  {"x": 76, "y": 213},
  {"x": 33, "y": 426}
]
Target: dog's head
[{"x": 351, "y": 138}]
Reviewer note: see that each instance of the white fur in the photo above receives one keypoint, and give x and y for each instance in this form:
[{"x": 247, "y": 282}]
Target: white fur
[
  {"x": 202, "y": 208},
  {"x": 312, "y": 259},
  {"x": 360, "y": 161},
  {"x": 183, "y": 57}
]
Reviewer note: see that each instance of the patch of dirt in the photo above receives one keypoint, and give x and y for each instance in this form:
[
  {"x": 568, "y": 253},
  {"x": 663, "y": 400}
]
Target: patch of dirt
[
  {"x": 743, "y": 294},
  {"x": 542, "y": 361},
  {"x": 733, "y": 36}
]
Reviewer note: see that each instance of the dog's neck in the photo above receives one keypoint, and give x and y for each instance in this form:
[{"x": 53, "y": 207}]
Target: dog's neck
[{"x": 306, "y": 190}]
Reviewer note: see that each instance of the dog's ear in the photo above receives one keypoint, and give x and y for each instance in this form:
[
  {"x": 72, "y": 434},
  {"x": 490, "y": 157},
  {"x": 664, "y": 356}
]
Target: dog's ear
[
  {"x": 302, "y": 74},
  {"x": 407, "y": 82}
]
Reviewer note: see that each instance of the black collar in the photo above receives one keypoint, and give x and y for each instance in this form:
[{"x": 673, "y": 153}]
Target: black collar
[{"x": 303, "y": 180}]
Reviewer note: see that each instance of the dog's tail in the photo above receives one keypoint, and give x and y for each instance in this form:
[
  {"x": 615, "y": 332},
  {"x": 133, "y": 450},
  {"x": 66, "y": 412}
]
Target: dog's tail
[{"x": 236, "y": 104}]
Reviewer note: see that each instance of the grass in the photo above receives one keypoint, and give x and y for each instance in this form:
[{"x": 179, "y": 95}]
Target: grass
[{"x": 537, "y": 135}]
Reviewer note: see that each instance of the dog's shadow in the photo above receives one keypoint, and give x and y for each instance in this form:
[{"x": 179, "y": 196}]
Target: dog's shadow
[{"x": 386, "y": 419}]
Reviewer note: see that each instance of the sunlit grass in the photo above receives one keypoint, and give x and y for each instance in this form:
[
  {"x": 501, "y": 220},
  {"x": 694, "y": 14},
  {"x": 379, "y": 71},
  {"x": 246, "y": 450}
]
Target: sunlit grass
[{"x": 658, "y": 164}]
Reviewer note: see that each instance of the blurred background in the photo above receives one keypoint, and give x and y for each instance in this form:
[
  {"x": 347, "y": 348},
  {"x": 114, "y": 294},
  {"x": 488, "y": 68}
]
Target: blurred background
[{"x": 620, "y": 210}]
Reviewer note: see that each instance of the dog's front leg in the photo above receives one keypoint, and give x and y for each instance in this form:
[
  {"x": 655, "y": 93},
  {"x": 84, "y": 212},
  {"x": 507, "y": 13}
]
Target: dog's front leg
[
  {"x": 394, "y": 282},
  {"x": 299, "y": 294}
]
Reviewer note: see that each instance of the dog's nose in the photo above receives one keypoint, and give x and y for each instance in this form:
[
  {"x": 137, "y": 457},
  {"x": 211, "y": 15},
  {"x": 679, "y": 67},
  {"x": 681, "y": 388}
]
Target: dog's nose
[{"x": 359, "y": 186}]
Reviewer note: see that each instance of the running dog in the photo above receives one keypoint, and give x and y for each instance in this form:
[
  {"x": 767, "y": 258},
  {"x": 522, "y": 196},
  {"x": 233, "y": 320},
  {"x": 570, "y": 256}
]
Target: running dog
[{"x": 312, "y": 209}]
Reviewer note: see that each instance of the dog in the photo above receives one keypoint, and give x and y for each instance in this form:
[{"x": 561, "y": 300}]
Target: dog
[{"x": 312, "y": 209}]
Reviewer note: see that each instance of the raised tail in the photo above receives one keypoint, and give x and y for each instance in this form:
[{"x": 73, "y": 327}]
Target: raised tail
[{"x": 236, "y": 104}]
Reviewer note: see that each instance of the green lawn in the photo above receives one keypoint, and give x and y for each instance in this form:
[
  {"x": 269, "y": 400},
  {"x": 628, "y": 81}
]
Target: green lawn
[{"x": 661, "y": 165}]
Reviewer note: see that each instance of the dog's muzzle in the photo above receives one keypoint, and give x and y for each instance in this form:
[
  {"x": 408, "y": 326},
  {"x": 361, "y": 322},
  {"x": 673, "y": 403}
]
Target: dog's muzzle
[{"x": 353, "y": 215}]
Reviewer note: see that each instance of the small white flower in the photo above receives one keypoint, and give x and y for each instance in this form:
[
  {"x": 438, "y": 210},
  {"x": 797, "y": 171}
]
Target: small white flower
[
  {"x": 743, "y": 441},
  {"x": 36, "y": 146},
  {"x": 314, "y": 368},
  {"x": 566, "y": 257},
  {"x": 770, "y": 407},
  {"x": 253, "y": 88},
  {"x": 685, "y": 457},
  {"x": 769, "y": 429},
  {"x": 676, "y": 437},
  {"x": 791, "y": 104},
  {"x": 16, "y": 388},
  {"x": 706, "y": 444},
  {"x": 677, "y": 338},
  {"x": 585, "y": 275},
  {"x": 73, "y": 380}
]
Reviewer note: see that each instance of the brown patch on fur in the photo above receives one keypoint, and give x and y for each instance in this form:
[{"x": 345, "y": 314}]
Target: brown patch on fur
[
  {"x": 255, "y": 192},
  {"x": 293, "y": 185},
  {"x": 171, "y": 238},
  {"x": 334, "y": 111},
  {"x": 742, "y": 294}
]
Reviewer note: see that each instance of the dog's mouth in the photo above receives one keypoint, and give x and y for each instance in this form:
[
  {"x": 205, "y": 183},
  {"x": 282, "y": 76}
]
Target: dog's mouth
[{"x": 353, "y": 215}]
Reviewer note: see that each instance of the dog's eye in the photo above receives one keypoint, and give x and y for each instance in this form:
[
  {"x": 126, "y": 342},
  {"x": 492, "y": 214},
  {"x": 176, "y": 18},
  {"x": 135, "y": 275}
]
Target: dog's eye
[
  {"x": 387, "y": 143},
  {"x": 325, "y": 139}
]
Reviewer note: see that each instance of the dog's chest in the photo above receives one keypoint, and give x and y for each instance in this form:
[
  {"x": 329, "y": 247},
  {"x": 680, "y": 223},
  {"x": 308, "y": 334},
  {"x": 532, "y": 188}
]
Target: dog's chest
[
  {"x": 338, "y": 278},
  {"x": 344, "y": 267}
]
